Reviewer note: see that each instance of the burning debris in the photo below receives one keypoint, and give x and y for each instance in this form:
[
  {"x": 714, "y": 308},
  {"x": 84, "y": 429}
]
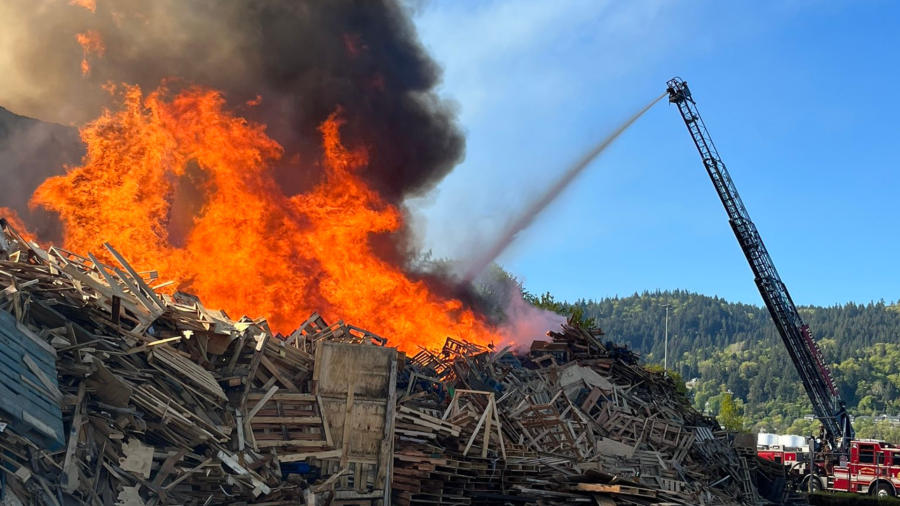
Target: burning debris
[
  {"x": 167, "y": 400},
  {"x": 116, "y": 391},
  {"x": 295, "y": 61},
  {"x": 317, "y": 244},
  {"x": 332, "y": 122}
]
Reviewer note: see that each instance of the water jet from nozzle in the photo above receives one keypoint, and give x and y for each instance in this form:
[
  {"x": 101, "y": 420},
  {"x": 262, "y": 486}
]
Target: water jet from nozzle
[{"x": 478, "y": 263}]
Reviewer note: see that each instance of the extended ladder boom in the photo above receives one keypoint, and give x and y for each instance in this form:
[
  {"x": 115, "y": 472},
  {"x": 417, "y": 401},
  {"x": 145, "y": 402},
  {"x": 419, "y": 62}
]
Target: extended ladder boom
[{"x": 802, "y": 348}]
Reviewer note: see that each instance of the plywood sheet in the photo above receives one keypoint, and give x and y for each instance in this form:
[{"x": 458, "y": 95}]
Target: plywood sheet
[
  {"x": 366, "y": 367},
  {"x": 365, "y": 417}
]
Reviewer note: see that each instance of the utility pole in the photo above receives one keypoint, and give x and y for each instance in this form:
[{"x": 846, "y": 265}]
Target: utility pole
[{"x": 666, "y": 349}]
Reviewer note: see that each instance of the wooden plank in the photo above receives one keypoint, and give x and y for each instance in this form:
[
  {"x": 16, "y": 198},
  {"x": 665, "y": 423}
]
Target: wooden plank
[
  {"x": 18, "y": 407},
  {"x": 288, "y": 420},
  {"x": 278, "y": 373},
  {"x": 616, "y": 489},
  {"x": 299, "y": 443},
  {"x": 70, "y": 477},
  {"x": 149, "y": 345},
  {"x": 120, "y": 294},
  {"x": 46, "y": 381},
  {"x": 386, "y": 452},
  {"x": 284, "y": 396},
  {"x": 137, "y": 277},
  {"x": 296, "y": 457},
  {"x": 167, "y": 467},
  {"x": 348, "y": 424},
  {"x": 325, "y": 427},
  {"x": 232, "y": 463},
  {"x": 260, "y": 403},
  {"x": 254, "y": 365},
  {"x": 40, "y": 425},
  {"x": 198, "y": 376}
]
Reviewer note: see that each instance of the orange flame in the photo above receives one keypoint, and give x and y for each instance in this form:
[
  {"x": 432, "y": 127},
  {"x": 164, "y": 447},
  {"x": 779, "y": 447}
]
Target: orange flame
[
  {"x": 251, "y": 249},
  {"x": 13, "y": 219},
  {"x": 91, "y": 46},
  {"x": 90, "y": 5}
]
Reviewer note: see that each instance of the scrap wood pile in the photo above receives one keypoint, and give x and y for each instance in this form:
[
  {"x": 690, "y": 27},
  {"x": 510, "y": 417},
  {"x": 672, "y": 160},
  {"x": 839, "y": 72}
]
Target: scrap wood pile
[
  {"x": 574, "y": 420},
  {"x": 114, "y": 393}
]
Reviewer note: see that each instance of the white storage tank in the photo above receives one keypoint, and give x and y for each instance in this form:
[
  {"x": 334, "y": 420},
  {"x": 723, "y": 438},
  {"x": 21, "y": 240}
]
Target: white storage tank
[
  {"x": 763, "y": 439},
  {"x": 792, "y": 441}
]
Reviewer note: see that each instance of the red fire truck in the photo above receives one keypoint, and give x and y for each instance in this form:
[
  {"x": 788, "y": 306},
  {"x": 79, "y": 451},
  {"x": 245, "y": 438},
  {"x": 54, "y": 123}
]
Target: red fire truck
[
  {"x": 873, "y": 467},
  {"x": 842, "y": 463},
  {"x": 795, "y": 459}
]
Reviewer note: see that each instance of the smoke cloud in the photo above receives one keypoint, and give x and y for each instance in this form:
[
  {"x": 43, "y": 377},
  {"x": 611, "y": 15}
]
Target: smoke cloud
[
  {"x": 31, "y": 151},
  {"x": 287, "y": 64},
  {"x": 292, "y": 62},
  {"x": 500, "y": 297},
  {"x": 526, "y": 323}
]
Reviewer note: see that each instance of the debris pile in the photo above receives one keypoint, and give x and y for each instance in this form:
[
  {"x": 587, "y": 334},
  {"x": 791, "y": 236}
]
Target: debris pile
[
  {"x": 114, "y": 393},
  {"x": 576, "y": 420}
]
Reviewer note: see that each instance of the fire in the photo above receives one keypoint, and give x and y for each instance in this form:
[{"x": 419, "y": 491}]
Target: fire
[
  {"x": 343, "y": 212},
  {"x": 13, "y": 219},
  {"x": 251, "y": 249},
  {"x": 91, "y": 46},
  {"x": 90, "y": 5}
]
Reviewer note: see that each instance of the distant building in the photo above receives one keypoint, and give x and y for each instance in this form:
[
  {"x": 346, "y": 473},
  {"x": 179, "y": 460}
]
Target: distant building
[{"x": 893, "y": 420}]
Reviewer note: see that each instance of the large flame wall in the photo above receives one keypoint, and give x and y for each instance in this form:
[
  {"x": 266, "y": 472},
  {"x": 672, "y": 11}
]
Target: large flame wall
[{"x": 250, "y": 249}]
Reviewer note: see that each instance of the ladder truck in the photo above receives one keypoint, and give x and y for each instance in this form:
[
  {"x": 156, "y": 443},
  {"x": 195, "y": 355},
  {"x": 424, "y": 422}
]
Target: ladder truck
[{"x": 842, "y": 463}]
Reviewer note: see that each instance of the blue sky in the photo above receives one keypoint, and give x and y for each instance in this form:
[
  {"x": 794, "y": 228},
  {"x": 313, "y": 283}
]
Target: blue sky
[{"x": 800, "y": 97}]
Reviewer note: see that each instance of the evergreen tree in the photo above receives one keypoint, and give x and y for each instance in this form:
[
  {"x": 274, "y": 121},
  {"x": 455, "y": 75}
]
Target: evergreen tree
[{"x": 717, "y": 345}]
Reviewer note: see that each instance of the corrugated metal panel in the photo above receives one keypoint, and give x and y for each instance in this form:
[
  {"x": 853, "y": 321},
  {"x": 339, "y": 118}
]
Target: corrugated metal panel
[{"x": 31, "y": 409}]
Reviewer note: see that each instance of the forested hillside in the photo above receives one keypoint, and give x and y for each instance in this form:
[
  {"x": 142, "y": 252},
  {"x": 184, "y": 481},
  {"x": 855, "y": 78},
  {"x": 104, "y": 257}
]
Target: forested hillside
[{"x": 732, "y": 346}]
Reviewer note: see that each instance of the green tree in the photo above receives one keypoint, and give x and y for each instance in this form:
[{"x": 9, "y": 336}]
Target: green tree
[
  {"x": 729, "y": 415},
  {"x": 716, "y": 345}
]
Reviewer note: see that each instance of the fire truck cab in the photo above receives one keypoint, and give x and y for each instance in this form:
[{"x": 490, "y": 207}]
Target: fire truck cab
[{"x": 873, "y": 468}]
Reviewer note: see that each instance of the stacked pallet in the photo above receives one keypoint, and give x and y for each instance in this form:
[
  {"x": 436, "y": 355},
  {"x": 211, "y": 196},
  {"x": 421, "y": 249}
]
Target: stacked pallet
[
  {"x": 575, "y": 420},
  {"x": 155, "y": 399},
  {"x": 124, "y": 395}
]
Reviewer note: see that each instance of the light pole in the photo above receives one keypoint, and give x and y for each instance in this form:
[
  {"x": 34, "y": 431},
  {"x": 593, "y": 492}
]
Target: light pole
[{"x": 666, "y": 349}]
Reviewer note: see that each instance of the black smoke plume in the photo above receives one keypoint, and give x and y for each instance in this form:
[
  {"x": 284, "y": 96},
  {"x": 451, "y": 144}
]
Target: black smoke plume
[
  {"x": 304, "y": 58},
  {"x": 286, "y": 63}
]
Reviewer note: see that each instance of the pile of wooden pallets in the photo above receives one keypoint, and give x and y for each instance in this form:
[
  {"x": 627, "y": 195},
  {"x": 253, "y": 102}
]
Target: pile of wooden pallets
[
  {"x": 114, "y": 393},
  {"x": 573, "y": 420}
]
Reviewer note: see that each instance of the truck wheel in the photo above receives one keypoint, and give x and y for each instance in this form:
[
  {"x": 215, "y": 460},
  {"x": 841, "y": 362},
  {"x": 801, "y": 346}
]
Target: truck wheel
[
  {"x": 884, "y": 490},
  {"x": 816, "y": 484}
]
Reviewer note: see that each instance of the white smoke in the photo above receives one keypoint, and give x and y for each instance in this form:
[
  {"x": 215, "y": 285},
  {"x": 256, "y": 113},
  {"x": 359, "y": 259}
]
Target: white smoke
[{"x": 526, "y": 323}]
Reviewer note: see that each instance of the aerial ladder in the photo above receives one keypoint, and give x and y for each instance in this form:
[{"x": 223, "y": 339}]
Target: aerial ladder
[{"x": 798, "y": 339}]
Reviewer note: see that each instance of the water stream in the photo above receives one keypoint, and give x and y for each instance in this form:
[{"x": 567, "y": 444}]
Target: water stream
[{"x": 476, "y": 264}]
